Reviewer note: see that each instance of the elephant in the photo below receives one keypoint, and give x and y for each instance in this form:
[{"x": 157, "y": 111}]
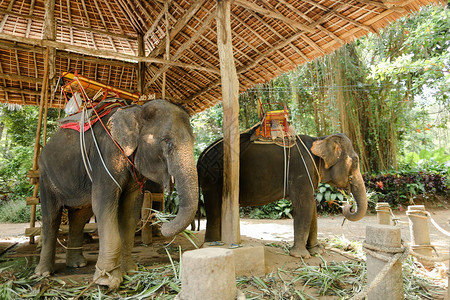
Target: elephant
[
  {"x": 330, "y": 159},
  {"x": 158, "y": 140}
]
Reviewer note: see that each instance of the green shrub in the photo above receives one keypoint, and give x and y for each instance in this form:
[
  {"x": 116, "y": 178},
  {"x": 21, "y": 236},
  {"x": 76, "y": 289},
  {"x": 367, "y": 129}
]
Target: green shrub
[
  {"x": 16, "y": 211},
  {"x": 276, "y": 210}
]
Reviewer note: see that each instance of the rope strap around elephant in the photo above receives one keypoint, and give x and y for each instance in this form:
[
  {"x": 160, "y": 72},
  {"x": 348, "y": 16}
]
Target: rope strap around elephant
[
  {"x": 68, "y": 248},
  {"x": 101, "y": 273},
  {"x": 399, "y": 255}
]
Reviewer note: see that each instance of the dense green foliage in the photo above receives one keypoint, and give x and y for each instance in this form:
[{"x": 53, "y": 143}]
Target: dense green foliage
[
  {"x": 17, "y": 137},
  {"x": 389, "y": 93}
]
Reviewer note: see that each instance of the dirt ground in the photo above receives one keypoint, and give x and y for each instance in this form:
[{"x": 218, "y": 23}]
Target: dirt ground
[{"x": 15, "y": 249}]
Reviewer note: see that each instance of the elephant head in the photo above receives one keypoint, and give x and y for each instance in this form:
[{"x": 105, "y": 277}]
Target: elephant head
[
  {"x": 340, "y": 168},
  {"x": 159, "y": 137}
]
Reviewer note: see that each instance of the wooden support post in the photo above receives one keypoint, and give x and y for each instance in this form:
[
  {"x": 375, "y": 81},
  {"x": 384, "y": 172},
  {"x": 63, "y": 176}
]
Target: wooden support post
[
  {"x": 230, "y": 96},
  {"x": 38, "y": 136},
  {"x": 166, "y": 56},
  {"x": 50, "y": 34},
  {"x": 141, "y": 65}
]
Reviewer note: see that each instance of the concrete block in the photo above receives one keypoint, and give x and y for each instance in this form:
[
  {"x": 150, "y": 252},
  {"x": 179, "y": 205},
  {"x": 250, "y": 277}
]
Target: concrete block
[
  {"x": 249, "y": 259},
  {"x": 391, "y": 287},
  {"x": 208, "y": 273}
]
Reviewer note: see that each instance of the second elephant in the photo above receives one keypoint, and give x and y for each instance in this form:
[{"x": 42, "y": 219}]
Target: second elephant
[{"x": 262, "y": 180}]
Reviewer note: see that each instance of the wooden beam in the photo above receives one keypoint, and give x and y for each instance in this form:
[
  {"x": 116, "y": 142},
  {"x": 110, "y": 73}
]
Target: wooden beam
[
  {"x": 167, "y": 39},
  {"x": 141, "y": 65},
  {"x": 178, "y": 26},
  {"x": 49, "y": 33},
  {"x": 20, "y": 78},
  {"x": 230, "y": 97},
  {"x": 273, "y": 14},
  {"x": 383, "y": 5},
  {"x": 94, "y": 60},
  {"x": 20, "y": 91},
  {"x": 102, "y": 53}
]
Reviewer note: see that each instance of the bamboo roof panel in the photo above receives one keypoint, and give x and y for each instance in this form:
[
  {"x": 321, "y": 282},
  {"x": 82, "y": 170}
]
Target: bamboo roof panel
[{"x": 99, "y": 39}]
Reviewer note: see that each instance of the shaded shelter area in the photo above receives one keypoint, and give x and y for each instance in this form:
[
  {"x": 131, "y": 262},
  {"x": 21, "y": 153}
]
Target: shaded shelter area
[
  {"x": 134, "y": 45},
  {"x": 195, "y": 53}
]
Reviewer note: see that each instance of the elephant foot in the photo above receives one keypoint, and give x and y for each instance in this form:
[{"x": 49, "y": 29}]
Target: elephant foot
[
  {"x": 317, "y": 249},
  {"x": 44, "y": 269},
  {"x": 128, "y": 267},
  {"x": 303, "y": 253},
  {"x": 75, "y": 260},
  {"x": 112, "y": 279}
]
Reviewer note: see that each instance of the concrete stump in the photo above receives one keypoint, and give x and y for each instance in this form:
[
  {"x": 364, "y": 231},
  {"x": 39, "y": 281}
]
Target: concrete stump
[
  {"x": 383, "y": 213},
  {"x": 208, "y": 273},
  {"x": 419, "y": 232},
  {"x": 391, "y": 286}
]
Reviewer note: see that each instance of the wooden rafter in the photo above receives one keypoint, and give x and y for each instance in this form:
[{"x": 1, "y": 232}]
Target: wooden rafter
[
  {"x": 70, "y": 25},
  {"x": 273, "y": 14},
  {"x": 181, "y": 23}
]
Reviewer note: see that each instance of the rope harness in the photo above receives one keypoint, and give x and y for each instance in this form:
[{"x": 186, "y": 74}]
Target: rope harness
[
  {"x": 84, "y": 154},
  {"x": 287, "y": 159}
]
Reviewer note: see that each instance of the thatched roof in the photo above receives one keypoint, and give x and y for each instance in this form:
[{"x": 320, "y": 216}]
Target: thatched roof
[{"x": 100, "y": 39}]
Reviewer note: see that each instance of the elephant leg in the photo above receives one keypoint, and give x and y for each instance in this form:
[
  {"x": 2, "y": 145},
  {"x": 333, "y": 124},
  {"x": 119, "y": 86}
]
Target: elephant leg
[
  {"x": 51, "y": 219},
  {"x": 303, "y": 205},
  {"x": 313, "y": 245},
  {"x": 78, "y": 217},
  {"x": 105, "y": 206},
  {"x": 213, "y": 208},
  {"x": 129, "y": 212}
]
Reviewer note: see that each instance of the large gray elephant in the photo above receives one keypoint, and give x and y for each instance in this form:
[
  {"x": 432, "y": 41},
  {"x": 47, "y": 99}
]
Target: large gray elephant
[
  {"x": 262, "y": 180},
  {"x": 158, "y": 138}
]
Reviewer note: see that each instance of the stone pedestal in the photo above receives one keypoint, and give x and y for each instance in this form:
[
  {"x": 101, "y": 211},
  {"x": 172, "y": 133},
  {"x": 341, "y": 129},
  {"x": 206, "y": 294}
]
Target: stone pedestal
[
  {"x": 208, "y": 273},
  {"x": 420, "y": 232},
  {"x": 249, "y": 259},
  {"x": 383, "y": 213},
  {"x": 391, "y": 287}
]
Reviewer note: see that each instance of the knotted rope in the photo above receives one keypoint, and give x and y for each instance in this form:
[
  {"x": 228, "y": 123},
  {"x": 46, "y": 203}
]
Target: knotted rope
[
  {"x": 101, "y": 273},
  {"x": 399, "y": 255}
]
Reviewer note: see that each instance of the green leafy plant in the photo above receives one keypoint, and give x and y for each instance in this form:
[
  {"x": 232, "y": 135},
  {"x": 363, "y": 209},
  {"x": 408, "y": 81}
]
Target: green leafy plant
[
  {"x": 284, "y": 208},
  {"x": 328, "y": 198}
]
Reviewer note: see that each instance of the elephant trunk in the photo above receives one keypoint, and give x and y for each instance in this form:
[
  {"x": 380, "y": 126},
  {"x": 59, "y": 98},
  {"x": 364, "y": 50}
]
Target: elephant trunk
[
  {"x": 183, "y": 169},
  {"x": 359, "y": 193}
]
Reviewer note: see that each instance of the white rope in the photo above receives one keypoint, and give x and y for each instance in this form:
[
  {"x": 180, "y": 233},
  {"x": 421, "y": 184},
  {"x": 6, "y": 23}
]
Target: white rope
[
  {"x": 427, "y": 215},
  {"x": 68, "y": 248},
  {"x": 84, "y": 156},
  {"x": 101, "y": 158},
  {"x": 306, "y": 167},
  {"x": 285, "y": 166},
  {"x": 310, "y": 155}
]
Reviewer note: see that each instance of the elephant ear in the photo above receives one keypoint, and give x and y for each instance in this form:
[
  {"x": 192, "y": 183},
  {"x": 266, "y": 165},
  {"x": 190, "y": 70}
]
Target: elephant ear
[
  {"x": 329, "y": 149},
  {"x": 124, "y": 128}
]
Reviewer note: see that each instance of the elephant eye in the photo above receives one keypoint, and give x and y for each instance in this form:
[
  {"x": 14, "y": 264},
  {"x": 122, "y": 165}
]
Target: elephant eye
[{"x": 169, "y": 142}]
